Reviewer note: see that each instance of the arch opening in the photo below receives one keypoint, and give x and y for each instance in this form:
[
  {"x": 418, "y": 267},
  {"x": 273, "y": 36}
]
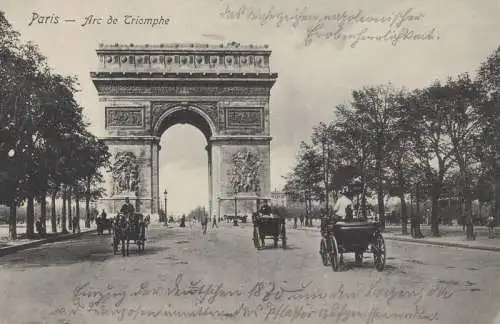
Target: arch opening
[
  {"x": 182, "y": 171},
  {"x": 185, "y": 115}
]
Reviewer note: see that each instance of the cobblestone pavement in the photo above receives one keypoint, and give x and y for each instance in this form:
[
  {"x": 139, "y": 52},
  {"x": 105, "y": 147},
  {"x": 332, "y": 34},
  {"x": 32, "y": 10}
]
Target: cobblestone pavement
[{"x": 185, "y": 277}]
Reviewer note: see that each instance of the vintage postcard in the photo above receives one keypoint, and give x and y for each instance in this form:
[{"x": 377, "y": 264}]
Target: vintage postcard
[{"x": 231, "y": 161}]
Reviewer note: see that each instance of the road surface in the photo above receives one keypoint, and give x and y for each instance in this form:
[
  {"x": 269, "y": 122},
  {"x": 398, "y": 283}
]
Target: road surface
[{"x": 186, "y": 277}]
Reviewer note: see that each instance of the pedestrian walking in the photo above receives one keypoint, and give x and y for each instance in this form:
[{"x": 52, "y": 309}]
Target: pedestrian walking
[
  {"x": 204, "y": 223},
  {"x": 469, "y": 227},
  {"x": 491, "y": 227},
  {"x": 214, "y": 223}
]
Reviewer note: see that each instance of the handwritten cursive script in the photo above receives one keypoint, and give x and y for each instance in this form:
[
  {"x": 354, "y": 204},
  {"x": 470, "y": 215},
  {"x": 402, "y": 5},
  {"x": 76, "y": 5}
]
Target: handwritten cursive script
[
  {"x": 338, "y": 313},
  {"x": 390, "y": 28},
  {"x": 263, "y": 300},
  {"x": 208, "y": 292}
]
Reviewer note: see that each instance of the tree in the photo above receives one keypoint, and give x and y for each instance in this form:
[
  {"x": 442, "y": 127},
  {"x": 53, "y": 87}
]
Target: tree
[
  {"x": 378, "y": 107},
  {"x": 44, "y": 144},
  {"x": 353, "y": 148},
  {"x": 323, "y": 141},
  {"x": 462, "y": 101},
  {"x": 399, "y": 157},
  {"x": 433, "y": 150},
  {"x": 489, "y": 79},
  {"x": 306, "y": 177}
]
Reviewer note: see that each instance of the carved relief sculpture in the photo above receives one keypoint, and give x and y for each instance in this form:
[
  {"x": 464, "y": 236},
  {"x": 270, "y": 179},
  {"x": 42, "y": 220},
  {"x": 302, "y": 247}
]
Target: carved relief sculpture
[
  {"x": 245, "y": 172},
  {"x": 125, "y": 171},
  {"x": 124, "y": 117}
]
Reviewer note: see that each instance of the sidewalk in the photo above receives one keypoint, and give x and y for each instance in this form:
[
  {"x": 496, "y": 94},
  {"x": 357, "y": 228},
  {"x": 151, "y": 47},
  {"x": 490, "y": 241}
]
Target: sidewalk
[
  {"x": 451, "y": 236},
  {"x": 8, "y": 246}
]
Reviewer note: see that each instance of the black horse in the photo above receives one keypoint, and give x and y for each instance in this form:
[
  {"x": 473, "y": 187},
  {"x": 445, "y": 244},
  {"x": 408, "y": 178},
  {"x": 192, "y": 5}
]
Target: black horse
[{"x": 119, "y": 233}]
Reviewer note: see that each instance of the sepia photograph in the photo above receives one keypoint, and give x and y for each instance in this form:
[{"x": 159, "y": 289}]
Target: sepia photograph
[{"x": 232, "y": 161}]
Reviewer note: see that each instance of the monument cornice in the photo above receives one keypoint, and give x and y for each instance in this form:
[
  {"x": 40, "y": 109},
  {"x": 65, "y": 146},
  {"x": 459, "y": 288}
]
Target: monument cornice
[
  {"x": 168, "y": 48},
  {"x": 183, "y": 76},
  {"x": 240, "y": 138},
  {"x": 131, "y": 138}
]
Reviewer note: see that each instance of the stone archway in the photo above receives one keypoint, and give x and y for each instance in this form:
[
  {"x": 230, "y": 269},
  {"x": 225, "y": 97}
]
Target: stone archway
[{"x": 222, "y": 90}]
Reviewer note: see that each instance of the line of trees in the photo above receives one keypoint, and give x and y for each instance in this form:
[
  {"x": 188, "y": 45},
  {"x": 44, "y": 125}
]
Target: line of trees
[
  {"x": 45, "y": 147},
  {"x": 197, "y": 213},
  {"x": 443, "y": 139}
]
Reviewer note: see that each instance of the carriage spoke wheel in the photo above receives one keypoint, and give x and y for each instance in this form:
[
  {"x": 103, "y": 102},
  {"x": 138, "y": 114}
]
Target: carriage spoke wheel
[
  {"x": 324, "y": 252},
  {"x": 379, "y": 252},
  {"x": 334, "y": 254}
]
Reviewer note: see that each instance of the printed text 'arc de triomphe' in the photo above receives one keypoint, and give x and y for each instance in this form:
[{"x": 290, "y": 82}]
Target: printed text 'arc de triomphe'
[{"x": 223, "y": 90}]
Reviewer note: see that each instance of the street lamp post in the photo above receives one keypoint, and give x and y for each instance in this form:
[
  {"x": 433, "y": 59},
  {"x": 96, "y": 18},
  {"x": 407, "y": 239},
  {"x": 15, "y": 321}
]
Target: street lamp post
[{"x": 165, "y": 196}]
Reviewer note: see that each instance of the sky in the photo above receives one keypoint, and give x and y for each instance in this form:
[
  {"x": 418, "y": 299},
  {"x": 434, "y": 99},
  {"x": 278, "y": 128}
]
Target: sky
[{"x": 315, "y": 73}]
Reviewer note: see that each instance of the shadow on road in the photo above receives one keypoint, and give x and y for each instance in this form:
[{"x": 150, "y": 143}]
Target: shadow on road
[
  {"x": 91, "y": 248},
  {"x": 279, "y": 247}
]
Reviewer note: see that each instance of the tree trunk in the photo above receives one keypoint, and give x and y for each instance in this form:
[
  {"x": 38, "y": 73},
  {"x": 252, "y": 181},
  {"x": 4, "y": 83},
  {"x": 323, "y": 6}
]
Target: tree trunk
[
  {"x": 363, "y": 196},
  {"x": 53, "y": 219},
  {"x": 43, "y": 211},
  {"x": 30, "y": 216},
  {"x": 415, "y": 217},
  {"x": 380, "y": 192},
  {"x": 87, "y": 204},
  {"x": 63, "y": 218},
  {"x": 70, "y": 214},
  {"x": 13, "y": 221},
  {"x": 468, "y": 208},
  {"x": 404, "y": 215},
  {"x": 435, "y": 215},
  {"x": 496, "y": 200},
  {"x": 77, "y": 216}
]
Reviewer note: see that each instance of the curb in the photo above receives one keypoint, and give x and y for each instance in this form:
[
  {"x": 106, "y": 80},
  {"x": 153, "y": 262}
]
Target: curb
[
  {"x": 61, "y": 237},
  {"x": 420, "y": 241},
  {"x": 446, "y": 244}
]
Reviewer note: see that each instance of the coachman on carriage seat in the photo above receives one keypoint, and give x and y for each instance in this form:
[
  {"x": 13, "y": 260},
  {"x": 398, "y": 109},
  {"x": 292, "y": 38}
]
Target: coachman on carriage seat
[
  {"x": 265, "y": 209},
  {"x": 127, "y": 208}
]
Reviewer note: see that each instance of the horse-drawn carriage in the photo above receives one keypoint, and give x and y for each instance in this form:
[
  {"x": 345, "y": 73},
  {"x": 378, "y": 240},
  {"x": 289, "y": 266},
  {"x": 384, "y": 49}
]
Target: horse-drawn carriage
[
  {"x": 351, "y": 237},
  {"x": 268, "y": 227},
  {"x": 104, "y": 224},
  {"x": 129, "y": 229}
]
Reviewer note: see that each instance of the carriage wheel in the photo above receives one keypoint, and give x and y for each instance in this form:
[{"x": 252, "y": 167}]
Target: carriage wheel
[
  {"x": 334, "y": 254},
  {"x": 358, "y": 258},
  {"x": 324, "y": 252},
  {"x": 256, "y": 238},
  {"x": 378, "y": 249}
]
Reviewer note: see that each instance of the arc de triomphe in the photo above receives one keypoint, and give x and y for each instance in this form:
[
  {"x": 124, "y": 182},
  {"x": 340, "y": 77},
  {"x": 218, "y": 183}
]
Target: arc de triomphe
[{"x": 223, "y": 90}]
